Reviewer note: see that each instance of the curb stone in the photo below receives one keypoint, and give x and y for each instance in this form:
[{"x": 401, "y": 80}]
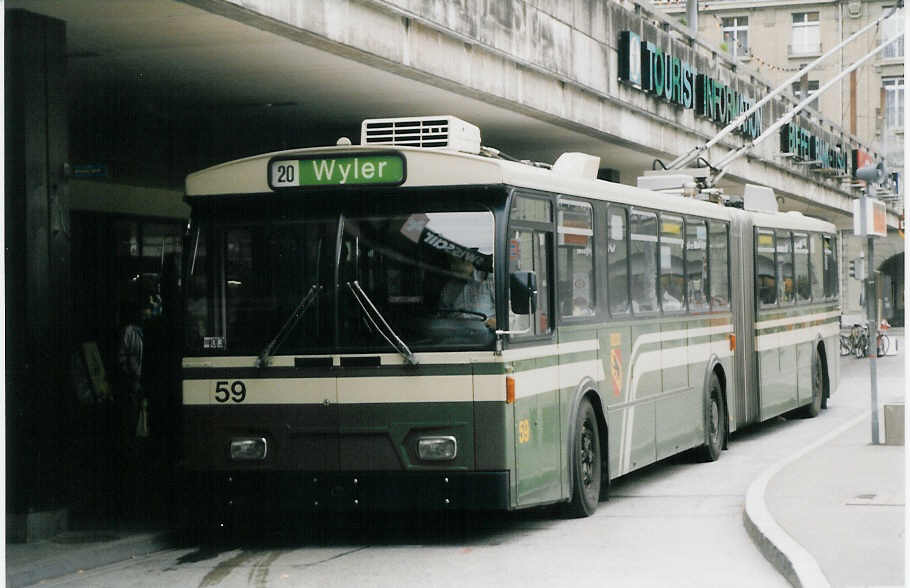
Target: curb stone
[{"x": 790, "y": 558}]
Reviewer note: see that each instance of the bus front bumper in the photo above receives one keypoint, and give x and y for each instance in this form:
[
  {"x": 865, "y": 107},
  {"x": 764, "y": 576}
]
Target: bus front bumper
[{"x": 278, "y": 491}]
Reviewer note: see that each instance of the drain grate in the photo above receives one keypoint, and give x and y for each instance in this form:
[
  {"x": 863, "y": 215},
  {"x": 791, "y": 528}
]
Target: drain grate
[{"x": 882, "y": 499}]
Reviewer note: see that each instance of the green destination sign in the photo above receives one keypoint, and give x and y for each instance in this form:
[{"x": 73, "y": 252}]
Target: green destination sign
[{"x": 349, "y": 170}]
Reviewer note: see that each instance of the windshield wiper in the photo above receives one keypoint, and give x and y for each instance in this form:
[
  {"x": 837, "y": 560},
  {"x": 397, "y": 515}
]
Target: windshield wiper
[
  {"x": 289, "y": 325},
  {"x": 387, "y": 333}
]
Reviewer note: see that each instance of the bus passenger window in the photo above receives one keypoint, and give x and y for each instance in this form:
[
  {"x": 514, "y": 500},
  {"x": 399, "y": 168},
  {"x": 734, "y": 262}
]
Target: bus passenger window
[
  {"x": 617, "y": 261},
  {"x": 816, "y": 266},
  {"x": 765, "y": 272},
  {"x": 801, "y": 267},
  {"x": 575, "y": 233},
  {"x": 785, "y": 286},
  {"x": 719, "y": 265},
  {"x": 696, "y": 265},
  {"x": 672, "y": 277},
  {"x": 643, "y": 261},
  {"x": 830, "y": 250}
]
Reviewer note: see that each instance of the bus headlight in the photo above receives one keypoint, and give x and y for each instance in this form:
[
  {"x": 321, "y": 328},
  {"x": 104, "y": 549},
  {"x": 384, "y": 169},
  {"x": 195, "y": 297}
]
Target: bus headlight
[
  {"x": 249, "y": 448},
  {"x": 437, "y": 448}
]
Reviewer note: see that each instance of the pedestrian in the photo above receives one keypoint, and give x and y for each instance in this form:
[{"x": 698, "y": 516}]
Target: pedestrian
[{"x": 132, "y": 408}]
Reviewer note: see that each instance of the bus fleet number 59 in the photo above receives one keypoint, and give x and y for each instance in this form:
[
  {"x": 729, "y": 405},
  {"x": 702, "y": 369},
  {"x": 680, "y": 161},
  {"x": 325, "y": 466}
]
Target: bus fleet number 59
[{"x": 225, "y": 391}]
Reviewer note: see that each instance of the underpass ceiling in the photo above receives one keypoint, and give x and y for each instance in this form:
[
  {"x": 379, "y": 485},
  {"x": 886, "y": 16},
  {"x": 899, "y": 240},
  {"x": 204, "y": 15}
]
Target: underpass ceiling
[{"x": 171, "y": 59}]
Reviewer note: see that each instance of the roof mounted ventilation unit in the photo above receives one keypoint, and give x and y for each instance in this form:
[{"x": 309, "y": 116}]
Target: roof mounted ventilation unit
[
  {"x": 436, "y": 132},
  {"x": 580, "y": 165},
  {"x": 759, "y": 199}
]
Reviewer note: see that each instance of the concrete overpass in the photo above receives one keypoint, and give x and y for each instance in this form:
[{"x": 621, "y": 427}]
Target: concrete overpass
[{"x": 537, "y": 80}]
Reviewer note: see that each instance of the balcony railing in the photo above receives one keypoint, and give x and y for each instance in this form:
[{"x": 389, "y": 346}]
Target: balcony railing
[{"x": 804, "y": 49}]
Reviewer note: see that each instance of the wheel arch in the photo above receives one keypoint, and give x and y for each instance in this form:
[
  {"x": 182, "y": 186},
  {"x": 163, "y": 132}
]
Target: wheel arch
[
  {"x": 715, "y": 367},
  {"x": 588, "y": 388}
]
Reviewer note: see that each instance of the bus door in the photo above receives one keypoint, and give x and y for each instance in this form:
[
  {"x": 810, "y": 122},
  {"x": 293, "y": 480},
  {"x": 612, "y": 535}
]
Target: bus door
[{"x": 536, "y": 413}]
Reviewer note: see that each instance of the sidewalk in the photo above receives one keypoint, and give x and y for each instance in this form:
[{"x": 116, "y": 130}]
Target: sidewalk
[
  {"x": 834, "y": 515},
  {"x": 72, "y": 551}
]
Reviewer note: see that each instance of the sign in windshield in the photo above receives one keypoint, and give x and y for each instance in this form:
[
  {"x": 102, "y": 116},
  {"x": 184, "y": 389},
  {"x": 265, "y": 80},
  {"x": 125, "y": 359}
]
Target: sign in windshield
[{"x": 387, "y": 169}]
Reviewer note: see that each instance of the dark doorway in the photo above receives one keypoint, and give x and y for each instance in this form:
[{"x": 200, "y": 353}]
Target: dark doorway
[
  {"x": 122, "y": 264},
  {"x": 891, "y": 282}
]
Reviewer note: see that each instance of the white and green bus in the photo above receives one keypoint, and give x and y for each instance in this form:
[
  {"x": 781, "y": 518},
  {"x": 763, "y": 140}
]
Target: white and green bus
[{"x": 385, "y": 326}]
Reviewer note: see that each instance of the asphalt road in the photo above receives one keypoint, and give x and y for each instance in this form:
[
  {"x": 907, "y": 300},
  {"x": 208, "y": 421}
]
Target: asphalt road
[{"x": 676, "y": 523}]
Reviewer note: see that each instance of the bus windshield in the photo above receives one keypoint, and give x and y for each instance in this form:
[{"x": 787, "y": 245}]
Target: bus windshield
[{"x": 428, "y": 273}]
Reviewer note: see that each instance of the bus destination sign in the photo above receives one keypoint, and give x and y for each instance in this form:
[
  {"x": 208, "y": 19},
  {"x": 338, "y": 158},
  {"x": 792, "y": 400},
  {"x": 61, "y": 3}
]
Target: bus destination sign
[{"x": 320, "y": 171}]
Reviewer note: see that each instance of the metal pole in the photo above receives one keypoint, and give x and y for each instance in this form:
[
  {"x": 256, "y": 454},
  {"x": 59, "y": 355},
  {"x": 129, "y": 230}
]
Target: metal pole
[
  {"x": 873, "y": 343},
  {"x": 692, "y": 16},
  {"x": 687, "y": 158},
  {"x": 869, "y": 284}
]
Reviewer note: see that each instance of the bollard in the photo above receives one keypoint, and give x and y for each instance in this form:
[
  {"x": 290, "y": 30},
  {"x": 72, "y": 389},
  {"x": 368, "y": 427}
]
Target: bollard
[{"x": 894, "y": 424}]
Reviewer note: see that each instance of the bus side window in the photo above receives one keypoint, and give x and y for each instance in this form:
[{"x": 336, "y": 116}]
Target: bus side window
[
  {"x": 785, "y": 290},
  {"x": 643, "y": 261},
  {"x": 617, "y": 260},
  {"x": 830, "y": 250},
  {"x": 575, "y": 232},
  {"x": 801, "y": 266},
  {"x": 816, "y": 267},
  {"x": 765, "y": 271},
  {"x": 672, "y": 276},
  {"x": 719, "y": 265},
  {"x": 696, "y": 264}
]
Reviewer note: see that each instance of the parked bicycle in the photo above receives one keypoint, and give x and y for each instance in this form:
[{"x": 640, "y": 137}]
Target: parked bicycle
[{"x": 857, "y": 342}]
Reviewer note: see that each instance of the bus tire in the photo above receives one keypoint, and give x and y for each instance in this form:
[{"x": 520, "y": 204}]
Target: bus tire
[
  {"x": 586, "y": 456},
  {"x": 715, "y": 423},
  {"x": 812, "y": 409}
]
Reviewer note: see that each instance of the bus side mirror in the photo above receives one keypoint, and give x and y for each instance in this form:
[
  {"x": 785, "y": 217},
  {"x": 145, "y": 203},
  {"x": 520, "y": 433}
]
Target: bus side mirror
[{"x": 523, "y": 292}]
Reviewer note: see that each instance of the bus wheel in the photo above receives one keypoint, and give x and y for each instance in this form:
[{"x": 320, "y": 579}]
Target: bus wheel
[
  {"x": 818, "y": 390},
  {"x": 716, "y": 424},
  {"x": 586, "y": 459}
]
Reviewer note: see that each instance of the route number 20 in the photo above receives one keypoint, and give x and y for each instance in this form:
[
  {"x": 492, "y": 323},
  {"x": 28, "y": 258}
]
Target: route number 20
[{"x": 225, "y": 391}]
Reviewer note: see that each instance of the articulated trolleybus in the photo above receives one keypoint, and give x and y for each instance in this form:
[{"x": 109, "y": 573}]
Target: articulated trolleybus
[{"x": 417, "y": 322}]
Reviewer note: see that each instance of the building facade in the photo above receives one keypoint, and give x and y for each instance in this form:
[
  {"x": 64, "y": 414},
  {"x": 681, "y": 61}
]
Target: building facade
[{"x": 778, "y": 39}]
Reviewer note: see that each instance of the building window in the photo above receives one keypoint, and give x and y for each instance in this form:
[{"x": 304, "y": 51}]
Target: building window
[
  {"x": 894, "y": 102},
  {"x": 806, "y": 37},
  {"x": 736, "y": 35},
  {"x": 813, "y": 89},
  {"x": 891, "y": 28}
]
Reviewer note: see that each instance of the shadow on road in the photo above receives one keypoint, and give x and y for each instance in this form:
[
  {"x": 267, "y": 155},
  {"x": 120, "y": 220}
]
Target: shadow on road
[{"x": 253, "y": 532}]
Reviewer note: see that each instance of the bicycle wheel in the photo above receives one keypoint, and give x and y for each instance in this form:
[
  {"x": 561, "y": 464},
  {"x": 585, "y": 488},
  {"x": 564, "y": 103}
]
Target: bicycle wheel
[
  {"x": 859, "y": 346},
  {"x": 845, "y": 347},
  {"x": 883, "y": 344}
]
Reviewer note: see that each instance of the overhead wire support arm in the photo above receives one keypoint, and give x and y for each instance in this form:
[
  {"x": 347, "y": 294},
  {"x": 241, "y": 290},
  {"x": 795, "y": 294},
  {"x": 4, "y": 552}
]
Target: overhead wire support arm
[
  {"x": 788, "y": 116},
  {"x": 687, "y": 158}
]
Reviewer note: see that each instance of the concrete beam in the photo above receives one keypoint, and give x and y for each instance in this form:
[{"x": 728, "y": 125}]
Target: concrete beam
[{"x": 556, "y": 62}]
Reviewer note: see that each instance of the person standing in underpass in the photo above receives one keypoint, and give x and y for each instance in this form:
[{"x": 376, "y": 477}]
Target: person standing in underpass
[{"x": 132, "y": 409}]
